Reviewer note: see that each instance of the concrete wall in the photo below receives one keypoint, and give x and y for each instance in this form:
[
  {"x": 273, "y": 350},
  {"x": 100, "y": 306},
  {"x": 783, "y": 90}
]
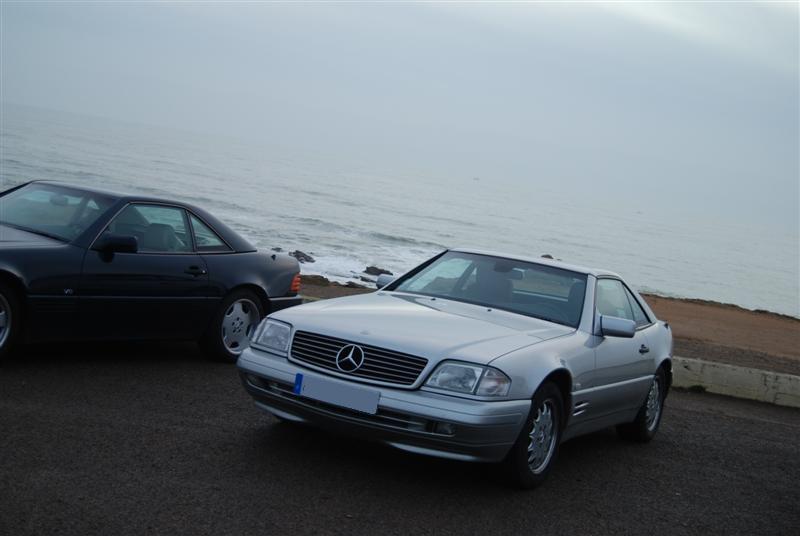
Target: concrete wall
[{"x": 741, "y": 382}]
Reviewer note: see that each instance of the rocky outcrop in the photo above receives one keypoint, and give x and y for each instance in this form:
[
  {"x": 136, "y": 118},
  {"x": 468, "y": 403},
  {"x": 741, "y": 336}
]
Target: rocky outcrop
[
  {"x": 302, "y": 257},
  {"x": 317, "y": 280},
  {"x": 374, "y": 270}
]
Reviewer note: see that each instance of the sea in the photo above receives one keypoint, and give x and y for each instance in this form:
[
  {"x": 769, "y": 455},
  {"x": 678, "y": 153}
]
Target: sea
[{"x": 352, "y": 214}]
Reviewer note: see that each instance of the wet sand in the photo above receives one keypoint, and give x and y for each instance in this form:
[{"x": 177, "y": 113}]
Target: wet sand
[{"x": 702, "y": 329}]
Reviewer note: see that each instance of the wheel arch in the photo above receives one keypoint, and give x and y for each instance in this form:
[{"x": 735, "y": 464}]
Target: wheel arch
[
  {"x": 13, "y": 281},
  {"x": 666, "y": 366},
  {"x": 562, "y": 378},
  {"x": 258, "y": 291},
  {"x": 18, "y": 289}
]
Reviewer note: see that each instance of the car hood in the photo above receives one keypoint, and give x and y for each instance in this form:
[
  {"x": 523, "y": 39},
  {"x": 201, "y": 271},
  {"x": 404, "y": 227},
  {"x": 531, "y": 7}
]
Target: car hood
[
  {"x": 433, "y": 328},
  {"x": 11, "y": 237}
]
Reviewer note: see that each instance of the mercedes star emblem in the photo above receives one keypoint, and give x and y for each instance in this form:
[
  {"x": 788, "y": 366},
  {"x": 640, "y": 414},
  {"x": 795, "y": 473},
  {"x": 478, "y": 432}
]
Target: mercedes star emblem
[{"x": 350, "y": 358}]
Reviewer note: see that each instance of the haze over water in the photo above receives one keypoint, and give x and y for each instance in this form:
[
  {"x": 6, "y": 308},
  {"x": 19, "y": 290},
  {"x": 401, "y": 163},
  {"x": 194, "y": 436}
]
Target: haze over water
[{"x": 350, "y": 215}]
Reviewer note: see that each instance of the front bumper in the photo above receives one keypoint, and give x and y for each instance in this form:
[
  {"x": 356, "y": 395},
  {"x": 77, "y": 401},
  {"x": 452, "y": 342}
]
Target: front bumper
[{"x": 413, "y": 420}]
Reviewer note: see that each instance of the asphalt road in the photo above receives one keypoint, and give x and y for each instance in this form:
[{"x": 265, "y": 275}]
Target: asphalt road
[{"x": 155, "y": 439}]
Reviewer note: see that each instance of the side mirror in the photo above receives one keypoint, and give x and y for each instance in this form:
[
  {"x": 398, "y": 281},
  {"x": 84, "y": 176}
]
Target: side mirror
[
  {"x": 383, "y": 280},
  {"x": 612, "y": 326},
  {"x": 111, "y": 243}
]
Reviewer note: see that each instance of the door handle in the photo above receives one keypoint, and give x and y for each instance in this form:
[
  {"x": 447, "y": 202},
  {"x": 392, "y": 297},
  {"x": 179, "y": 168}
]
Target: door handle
[
  {"x": 644, "y": 349},
  {"x": 195, "y": 271}
]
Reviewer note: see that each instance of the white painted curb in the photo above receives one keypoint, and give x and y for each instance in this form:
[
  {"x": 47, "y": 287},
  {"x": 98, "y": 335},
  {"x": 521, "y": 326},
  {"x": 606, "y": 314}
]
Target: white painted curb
[{"x": 741, "y": 382}]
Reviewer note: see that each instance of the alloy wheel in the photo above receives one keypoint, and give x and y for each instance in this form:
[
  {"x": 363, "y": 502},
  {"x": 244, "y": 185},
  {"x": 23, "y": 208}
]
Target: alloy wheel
[
  {"x": 238, "y": 322},
  {"x": 653, "y": 407},
  {"x": 542, "y": 437},
  {"x": 5, "y": 320}
]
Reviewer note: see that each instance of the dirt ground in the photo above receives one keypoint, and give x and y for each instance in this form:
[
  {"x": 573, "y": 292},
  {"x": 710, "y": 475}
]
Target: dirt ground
[
  {"x": 727, "y": 333},
  {"x": 703, "y": 330}
]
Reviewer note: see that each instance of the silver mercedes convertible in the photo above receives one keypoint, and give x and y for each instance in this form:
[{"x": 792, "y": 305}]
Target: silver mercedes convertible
[{"x": 471, "y": 356}]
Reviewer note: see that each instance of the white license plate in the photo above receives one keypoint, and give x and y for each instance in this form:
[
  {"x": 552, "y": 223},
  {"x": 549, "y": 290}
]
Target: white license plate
[{"x": 339, "y": 394}]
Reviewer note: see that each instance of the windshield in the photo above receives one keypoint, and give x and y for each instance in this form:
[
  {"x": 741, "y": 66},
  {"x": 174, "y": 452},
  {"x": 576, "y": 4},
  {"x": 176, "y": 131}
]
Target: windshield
[
  {"x": 526, "y": 288},
  {"x": 52, "y": 210}
]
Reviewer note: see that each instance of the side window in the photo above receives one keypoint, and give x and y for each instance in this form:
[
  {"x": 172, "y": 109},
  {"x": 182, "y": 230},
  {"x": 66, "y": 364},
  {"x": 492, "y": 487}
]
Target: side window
[
  {"x": 157, "y": 228},
  {"x": 638, "y": 313},
  {"x": 612, "y": 300},
  {"x": 205, "y": 238}
]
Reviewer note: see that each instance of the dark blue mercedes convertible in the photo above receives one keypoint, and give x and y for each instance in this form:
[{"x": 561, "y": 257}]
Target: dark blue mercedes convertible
[{"x": 79, "y": 263}]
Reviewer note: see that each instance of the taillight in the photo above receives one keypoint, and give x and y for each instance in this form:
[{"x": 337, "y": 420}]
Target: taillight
[{"x": 295, "y": 286}]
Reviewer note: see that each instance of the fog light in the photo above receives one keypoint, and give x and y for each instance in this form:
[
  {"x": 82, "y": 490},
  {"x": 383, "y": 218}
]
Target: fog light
[
  {"x": 255, "y": 380},
  {"x": 445, "y": 428}
]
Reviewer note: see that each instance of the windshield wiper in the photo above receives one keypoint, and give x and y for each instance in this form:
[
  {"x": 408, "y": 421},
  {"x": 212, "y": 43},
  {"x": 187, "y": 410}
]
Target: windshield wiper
[
  {"x": 489, "y": 305},
  {"x": 35, "y": 231},
  {"x": 553, "y": 320}
]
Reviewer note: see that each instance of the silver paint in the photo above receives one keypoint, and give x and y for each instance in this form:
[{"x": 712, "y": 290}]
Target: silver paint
[{"x": 614, "y": 378}]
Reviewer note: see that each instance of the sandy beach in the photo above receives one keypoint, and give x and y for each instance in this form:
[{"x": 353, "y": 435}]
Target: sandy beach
[{"x": 702, "y": 329}]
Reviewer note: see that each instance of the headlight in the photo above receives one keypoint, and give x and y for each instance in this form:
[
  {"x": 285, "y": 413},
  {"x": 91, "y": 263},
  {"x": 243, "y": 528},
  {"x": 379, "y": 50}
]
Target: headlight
[
  {"x": 493, "y": 383},
  {"x": 273, "y": 335},
  {"x": 469, "y": 379}
]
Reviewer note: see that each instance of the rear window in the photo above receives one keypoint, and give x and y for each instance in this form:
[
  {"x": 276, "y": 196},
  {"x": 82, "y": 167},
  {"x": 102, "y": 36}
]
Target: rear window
[{"x": 206, "y": 240}]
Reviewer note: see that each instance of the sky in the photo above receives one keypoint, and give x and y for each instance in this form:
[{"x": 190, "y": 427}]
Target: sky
[{"x": 680, "y": 108}]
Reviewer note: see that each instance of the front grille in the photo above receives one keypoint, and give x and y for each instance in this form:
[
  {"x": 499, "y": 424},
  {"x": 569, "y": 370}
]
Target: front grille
[{"x": 379, "y": 364}]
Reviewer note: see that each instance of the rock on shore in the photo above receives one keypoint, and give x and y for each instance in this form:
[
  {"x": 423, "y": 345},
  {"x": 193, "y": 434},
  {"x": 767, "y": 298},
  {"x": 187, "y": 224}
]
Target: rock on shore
[
  {"x": 374, "y": 270},
  {"x": 316, "y": 280},
  {"x": 301, "y": 257}
]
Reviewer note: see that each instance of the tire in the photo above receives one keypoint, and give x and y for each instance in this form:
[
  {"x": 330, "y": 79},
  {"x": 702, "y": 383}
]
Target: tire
[
  {"x": 645, "y": 426},
  {"x": 10, "y": 320},
  {"x": 233, "y": 322},
  {"x": 526, "y": 465}
]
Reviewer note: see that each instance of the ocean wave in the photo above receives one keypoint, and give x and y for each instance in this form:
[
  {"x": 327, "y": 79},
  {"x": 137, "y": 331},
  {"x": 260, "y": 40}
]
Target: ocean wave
[
  {"x": 403, "y": 240},
  {"x": 211, "y": 203},
  {"x": 312, "y": 193},
  {"x": 459, "y": 222},
  {"x": 307, "y": 204},
  {"x": 45, "y": 172},
  {"x": 318, "y": 222}
]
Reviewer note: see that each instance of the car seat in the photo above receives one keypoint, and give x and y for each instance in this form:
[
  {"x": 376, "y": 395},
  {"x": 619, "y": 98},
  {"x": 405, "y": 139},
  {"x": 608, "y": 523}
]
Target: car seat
[
  {"x": 490, "y": 287},
  {"x": 161, "y": 237}
]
